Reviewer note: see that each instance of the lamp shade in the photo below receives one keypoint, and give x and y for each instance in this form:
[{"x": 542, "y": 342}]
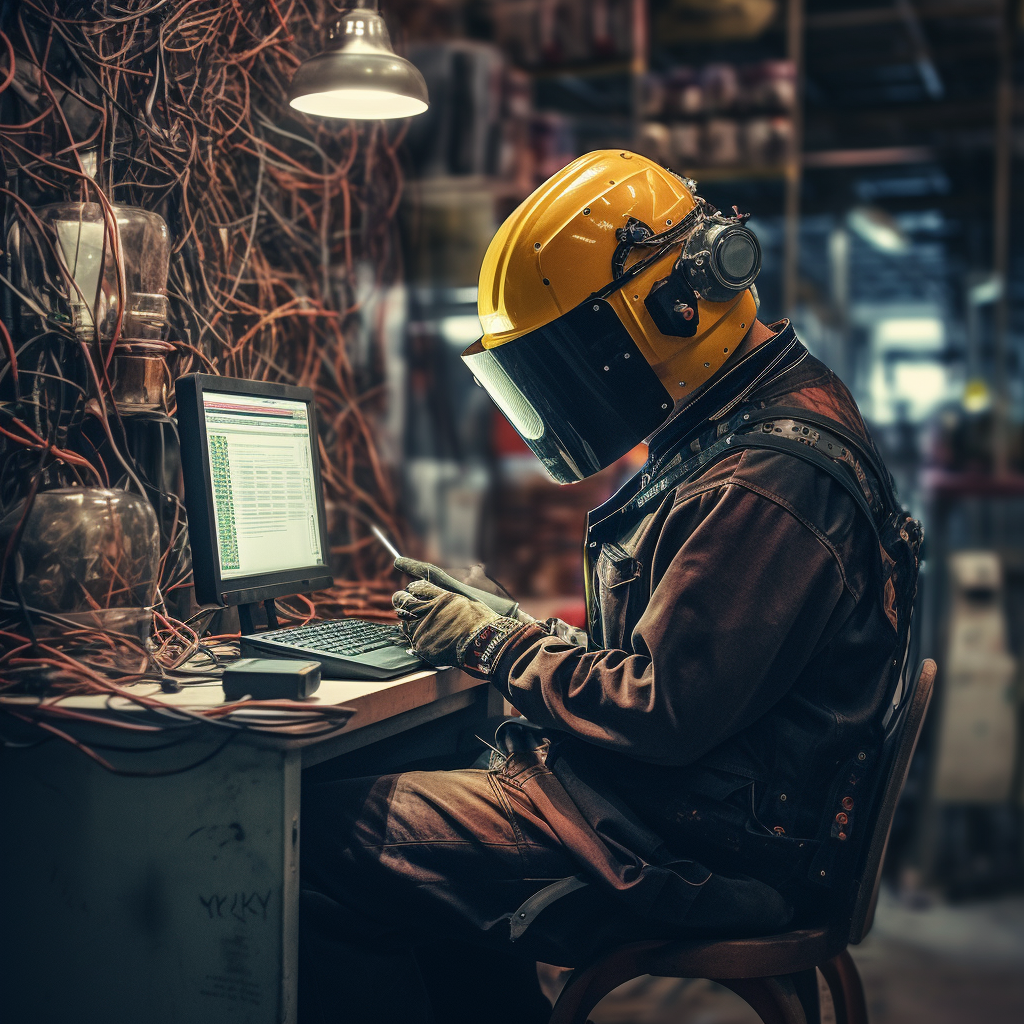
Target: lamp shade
[{"x": 362, "y": 78}]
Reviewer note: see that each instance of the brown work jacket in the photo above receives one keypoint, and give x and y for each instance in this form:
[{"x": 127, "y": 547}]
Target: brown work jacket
[{"x": 742, "y": 639}]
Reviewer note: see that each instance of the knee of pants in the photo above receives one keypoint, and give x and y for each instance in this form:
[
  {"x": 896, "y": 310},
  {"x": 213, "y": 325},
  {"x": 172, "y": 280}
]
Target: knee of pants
[{"x": 339, "y": 817}]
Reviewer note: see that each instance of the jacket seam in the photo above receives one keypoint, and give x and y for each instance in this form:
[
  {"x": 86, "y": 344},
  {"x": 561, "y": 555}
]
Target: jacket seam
[
  {"x": 778, "y": 500},
  {"x": 823, "y": 538}
]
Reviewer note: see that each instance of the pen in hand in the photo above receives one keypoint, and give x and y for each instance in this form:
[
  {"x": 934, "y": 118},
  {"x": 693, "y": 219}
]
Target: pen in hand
[{"x": 382, "y": 537}]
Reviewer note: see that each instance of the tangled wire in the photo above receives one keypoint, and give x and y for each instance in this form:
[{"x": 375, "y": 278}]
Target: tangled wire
[{"x": 282, "y": 233}]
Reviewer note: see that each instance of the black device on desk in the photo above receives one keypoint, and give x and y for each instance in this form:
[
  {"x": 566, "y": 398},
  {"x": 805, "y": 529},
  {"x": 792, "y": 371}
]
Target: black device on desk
[{"x": 255, "y": 508}]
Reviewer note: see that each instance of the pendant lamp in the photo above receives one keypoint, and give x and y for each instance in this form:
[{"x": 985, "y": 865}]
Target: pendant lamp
[{"x": 361, "y": 77}]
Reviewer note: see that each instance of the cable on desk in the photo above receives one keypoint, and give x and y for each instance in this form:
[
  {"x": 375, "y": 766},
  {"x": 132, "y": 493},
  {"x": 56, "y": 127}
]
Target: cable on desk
[
  {"x": 130, "y": 773},
  {"x": 278, "y": 222}
]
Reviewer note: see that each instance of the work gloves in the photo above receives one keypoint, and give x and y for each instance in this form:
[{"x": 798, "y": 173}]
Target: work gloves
[
  {"x": 465, "y": 624},
  {"x": 452, "y": 630},
  {"x": 453, "y": 624}
]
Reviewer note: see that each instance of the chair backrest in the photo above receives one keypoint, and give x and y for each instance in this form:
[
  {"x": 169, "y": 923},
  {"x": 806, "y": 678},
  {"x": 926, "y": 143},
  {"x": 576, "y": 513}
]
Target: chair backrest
[{"x": 905, "y": 733}]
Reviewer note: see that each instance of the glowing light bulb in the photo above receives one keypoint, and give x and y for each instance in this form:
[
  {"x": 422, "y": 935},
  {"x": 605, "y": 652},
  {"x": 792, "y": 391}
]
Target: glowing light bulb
[{"x": 81, "y": 243}]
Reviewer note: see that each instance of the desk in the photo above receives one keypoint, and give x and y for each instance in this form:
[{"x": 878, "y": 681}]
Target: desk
[{"x": 174, "y": 900}]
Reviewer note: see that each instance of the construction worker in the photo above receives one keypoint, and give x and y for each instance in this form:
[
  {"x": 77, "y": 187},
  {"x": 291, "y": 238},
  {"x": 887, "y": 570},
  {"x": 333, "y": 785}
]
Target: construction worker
[{"x": 678, "y": 769}]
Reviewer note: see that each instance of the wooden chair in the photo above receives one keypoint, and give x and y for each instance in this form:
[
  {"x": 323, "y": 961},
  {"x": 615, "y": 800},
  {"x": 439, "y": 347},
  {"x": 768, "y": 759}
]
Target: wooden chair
[{"x": 776, "y": 974}]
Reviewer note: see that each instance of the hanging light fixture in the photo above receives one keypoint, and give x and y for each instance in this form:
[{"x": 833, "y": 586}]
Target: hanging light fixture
[{"x": 361, "y": 77}]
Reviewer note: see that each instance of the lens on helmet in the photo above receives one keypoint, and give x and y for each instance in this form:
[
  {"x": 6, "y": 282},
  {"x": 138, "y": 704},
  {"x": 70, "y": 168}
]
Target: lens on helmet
[
  {"x": 721, "y": 259},
  {"x": 736, "y": 254}
]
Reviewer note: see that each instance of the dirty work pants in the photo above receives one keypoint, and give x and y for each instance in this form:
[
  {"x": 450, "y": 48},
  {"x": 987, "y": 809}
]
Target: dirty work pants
[{"x": 408, "y": 886}]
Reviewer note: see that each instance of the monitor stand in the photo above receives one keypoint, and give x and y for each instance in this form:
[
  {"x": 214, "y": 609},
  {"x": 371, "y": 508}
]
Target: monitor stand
[{"x": 245, "y": 616}]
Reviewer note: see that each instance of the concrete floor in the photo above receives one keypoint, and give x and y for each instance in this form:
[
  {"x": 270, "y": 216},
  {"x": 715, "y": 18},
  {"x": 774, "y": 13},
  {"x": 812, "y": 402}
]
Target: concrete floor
[
  {"x": 945, "y": 964},
  {"x": 934, "y": 964}
]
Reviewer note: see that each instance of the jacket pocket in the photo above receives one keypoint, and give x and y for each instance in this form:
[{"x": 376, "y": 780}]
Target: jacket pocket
[
  {"x": 616, "y": 567},
  {"x": 715, "y": 783},
  {"x": 618, "y": 575}
]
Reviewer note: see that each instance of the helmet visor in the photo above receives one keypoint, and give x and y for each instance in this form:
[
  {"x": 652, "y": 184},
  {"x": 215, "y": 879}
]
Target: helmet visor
[{"x": 577, "y": 390}]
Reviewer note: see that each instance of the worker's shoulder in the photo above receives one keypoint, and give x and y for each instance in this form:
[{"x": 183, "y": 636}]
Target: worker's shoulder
[
  {"x": 811, "y": 386},
  {"x": 810, "y": 494},
  {"x": 813, "y": 492}
]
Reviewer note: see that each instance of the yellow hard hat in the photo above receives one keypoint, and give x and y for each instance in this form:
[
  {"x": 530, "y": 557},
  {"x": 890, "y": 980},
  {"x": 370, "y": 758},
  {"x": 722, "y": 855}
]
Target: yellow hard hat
[{"x": 610, "y": 293}]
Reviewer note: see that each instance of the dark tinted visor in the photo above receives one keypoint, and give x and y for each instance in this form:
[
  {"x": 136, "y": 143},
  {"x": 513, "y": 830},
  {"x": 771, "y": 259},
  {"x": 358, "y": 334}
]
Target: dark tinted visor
[{"x": 578, "y": 391}]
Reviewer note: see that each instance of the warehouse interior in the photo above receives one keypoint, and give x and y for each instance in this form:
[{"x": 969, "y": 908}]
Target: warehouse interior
[{"x": 878, "y": 147}]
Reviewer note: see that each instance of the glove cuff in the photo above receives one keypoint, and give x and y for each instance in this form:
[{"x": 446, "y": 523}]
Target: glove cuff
[{"x": 482, "y": 649}]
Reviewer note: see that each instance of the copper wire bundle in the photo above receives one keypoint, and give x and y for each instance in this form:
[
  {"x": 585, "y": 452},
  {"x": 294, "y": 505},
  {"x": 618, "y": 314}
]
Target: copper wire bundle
[{"x": 283, "y": 231}]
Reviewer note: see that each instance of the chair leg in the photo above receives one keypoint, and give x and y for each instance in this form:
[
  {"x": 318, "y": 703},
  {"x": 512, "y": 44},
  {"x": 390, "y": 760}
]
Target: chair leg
[
  {"x": 844, "y": 983},
  {"x": 806, "y": 984},
  {"x": 575, "y": 1001},
  {"x": 586, "y": 987},
  {"x": 775, "y": 1000}
]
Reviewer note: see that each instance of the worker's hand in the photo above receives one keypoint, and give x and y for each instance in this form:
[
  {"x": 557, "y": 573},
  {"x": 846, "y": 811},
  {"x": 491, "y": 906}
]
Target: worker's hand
[
  {"x": 476, "y": 585},
  {"x": 439, "y": 623},
  {"x": 442, "y": 625}
]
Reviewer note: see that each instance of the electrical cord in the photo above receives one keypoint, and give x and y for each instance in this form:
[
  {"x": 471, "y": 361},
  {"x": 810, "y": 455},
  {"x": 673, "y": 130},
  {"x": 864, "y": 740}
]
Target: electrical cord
[{"x": 184, "y": 104}]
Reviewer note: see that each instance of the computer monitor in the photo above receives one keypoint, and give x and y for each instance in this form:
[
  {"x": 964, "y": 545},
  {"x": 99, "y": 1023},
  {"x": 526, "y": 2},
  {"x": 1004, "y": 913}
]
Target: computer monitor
[{"x": 253, "y": 496}]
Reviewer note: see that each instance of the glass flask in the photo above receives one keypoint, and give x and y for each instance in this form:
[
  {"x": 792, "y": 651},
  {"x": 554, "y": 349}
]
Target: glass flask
[{"x": 88, "y": 557}]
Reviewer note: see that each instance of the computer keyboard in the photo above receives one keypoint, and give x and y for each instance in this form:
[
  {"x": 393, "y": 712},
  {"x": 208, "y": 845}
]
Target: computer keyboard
[
  {"x": 341, "y": 636},
  {"x": 345, "y": 648}
]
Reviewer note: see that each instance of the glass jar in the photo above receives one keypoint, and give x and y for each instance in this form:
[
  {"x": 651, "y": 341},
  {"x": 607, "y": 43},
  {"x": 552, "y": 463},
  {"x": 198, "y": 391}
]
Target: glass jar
[{"x": 88, "y": 556}]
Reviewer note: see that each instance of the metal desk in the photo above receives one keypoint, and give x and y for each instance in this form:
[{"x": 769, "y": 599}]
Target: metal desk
[{"x": 173, "y": 900}]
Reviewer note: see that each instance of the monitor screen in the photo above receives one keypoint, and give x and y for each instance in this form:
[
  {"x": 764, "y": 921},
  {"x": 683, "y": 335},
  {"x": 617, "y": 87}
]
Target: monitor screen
[{"x": 264, "y": 486}]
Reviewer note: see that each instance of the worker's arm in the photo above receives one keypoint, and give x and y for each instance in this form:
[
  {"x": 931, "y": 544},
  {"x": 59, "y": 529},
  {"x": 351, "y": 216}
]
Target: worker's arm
[{"x": 740, "y": 608}]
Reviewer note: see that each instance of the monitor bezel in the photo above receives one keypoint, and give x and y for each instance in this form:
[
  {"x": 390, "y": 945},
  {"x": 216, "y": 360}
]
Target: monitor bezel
[{"x": 210, "y": 586}]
